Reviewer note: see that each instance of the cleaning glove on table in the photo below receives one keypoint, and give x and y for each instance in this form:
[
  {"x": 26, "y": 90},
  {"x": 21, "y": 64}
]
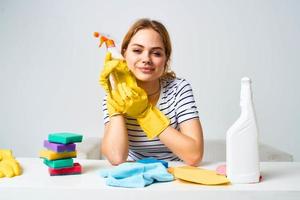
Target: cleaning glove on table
[{"x": 9, "y": 166}]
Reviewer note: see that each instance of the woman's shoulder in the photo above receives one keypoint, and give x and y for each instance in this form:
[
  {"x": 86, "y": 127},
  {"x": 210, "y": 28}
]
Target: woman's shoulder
[{"x": 174, "y": 83}]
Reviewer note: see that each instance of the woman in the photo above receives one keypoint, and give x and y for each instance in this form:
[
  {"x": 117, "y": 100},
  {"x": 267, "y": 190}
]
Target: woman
[{"x": 178, "y": 135}]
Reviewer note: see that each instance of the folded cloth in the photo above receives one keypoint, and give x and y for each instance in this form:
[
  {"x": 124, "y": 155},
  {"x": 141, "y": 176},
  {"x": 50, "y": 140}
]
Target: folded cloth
[
  {"x": 153, "y": 160},
  {"x": 136, "y": 175}
]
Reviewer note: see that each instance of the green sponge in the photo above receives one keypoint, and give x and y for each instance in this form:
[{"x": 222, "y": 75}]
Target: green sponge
[
  {"x": 64, "y": 138},
  {"x": 62, "y": 163}
]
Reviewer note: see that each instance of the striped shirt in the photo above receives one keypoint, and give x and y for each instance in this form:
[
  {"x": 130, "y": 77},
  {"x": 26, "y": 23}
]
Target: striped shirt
[{"x": 177, "y": 102}]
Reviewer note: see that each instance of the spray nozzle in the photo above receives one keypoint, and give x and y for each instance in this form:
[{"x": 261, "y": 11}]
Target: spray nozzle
[{"x": 103, "y": 39}]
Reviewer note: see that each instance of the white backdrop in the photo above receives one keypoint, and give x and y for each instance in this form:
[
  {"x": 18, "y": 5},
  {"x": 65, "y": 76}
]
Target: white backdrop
[{"x": 50, "y": 63}]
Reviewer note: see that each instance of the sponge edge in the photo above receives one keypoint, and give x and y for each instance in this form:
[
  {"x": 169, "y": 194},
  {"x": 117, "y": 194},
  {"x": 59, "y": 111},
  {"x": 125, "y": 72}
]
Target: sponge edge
[
  {"x": 59, "y": 163},
  {"x": 76, "y": 169},
  {"x": 59, "y": 147},
  {"x": 64, "y": 138},
  {"x": 52, "y": 155}
]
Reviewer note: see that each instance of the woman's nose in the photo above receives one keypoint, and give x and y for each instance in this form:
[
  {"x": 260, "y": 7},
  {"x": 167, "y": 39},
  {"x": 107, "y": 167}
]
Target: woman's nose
[{"x": 146, "y": 58}]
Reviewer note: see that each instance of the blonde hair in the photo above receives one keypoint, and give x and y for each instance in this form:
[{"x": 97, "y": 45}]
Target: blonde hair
[{"x": 162, "y": 31}]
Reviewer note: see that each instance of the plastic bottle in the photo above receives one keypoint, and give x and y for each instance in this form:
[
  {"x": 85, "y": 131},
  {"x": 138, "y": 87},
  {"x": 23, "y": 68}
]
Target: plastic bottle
[
  {"x": 242, "y": 157},
  {"x": 110, "y": 45},
  {"x": 115, "y": 53}
]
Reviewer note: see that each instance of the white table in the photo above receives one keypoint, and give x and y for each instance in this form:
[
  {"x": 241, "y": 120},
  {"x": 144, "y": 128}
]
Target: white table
[{"x": 281, "y": 181}]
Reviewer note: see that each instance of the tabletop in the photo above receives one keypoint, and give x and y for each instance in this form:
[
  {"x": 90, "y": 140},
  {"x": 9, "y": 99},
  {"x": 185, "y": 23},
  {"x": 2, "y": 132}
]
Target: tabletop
[{"x": 280, "y": 181}]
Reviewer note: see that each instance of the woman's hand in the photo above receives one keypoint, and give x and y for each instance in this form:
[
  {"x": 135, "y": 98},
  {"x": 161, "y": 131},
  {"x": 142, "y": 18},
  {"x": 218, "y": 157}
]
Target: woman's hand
[
  {"x": 122, "y": 78},
  {"x": 135, "y": 99},
  {"x": 150, "y": 118},
  {"x": 111, "y": 65}
]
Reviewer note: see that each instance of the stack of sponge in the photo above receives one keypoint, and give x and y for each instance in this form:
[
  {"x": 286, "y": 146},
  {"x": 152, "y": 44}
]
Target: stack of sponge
[{"x": 61, "y": 149}]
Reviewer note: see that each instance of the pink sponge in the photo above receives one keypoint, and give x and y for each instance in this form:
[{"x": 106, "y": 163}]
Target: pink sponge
[{"x": 76, "y": 169}]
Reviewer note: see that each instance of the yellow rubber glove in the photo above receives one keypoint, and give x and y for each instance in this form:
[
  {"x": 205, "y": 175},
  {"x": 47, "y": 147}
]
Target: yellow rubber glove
[
  {"x": 150, "y": 118},
  {"x": 9, "y": 167},
  {"x": 5, "y": 154},
  {"x": 120, "y": 74},
  {"x": 124, "y": 96},
  {"x": 135, "y": 99},
  {"x": 115, "y": 104}
]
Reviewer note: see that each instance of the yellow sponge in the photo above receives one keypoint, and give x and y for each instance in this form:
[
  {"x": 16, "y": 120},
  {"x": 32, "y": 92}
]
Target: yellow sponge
[
  {"x": 52, "y": 155},
  {"x": 198, "y": 175}
]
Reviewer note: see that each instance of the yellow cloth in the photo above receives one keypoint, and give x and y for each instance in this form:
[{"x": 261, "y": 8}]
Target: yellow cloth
[
  {"x": 198, "y": 175},
  {"x": 52, "y": 155},
  {"x": 9, "y": 166}
]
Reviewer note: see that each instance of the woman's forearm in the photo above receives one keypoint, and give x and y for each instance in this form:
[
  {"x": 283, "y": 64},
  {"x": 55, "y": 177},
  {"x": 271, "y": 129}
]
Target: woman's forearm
[
  {"x": 187, "y": 148},
  {"x": 115, "y": 141}
]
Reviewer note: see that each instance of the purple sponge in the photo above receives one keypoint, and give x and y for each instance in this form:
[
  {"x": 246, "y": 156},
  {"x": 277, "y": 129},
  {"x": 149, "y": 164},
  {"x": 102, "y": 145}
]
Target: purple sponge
[{"x": 59, "y": 147}]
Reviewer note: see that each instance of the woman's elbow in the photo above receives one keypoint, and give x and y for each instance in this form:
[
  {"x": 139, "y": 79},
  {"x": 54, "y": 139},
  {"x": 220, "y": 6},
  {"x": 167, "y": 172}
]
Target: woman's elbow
[
  {"x": 194, "y": 160},
  {"x": 117, "y": 161},
  {"x": 114, "y": 159}
]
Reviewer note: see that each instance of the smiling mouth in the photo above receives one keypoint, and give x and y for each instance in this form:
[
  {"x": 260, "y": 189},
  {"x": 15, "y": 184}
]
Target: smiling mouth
[{"x": 146, "y": 70}]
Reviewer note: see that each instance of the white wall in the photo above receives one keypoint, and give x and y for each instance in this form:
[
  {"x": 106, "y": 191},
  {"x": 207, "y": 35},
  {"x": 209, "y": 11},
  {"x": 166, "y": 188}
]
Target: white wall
[{"x": 50, "y": 63}]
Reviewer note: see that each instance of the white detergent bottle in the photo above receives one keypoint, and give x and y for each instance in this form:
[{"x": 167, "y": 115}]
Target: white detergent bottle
[{"x": 242, "y": 157}]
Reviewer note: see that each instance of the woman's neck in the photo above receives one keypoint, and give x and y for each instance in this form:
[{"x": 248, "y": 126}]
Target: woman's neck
[{"x": 152, "y": 89}]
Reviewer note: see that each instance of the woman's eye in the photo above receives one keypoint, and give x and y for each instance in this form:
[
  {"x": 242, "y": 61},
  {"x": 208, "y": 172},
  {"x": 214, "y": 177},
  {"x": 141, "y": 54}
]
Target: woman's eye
[
  {"x": 136, "y": 50},
  {"x": 158, "y": 54}
]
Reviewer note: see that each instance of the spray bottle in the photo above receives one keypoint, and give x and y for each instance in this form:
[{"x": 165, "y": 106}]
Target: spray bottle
[
  {"x": 117, "y": 75},
  {"x": 242, "y": 157}
]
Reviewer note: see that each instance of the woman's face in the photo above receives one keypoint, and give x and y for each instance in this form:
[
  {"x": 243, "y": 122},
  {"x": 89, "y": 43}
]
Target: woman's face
[{"x": 145, "y": 55}]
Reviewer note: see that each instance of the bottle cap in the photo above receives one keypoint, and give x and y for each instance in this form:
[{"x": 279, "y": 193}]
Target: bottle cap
[{"x": 246, "y": 79}]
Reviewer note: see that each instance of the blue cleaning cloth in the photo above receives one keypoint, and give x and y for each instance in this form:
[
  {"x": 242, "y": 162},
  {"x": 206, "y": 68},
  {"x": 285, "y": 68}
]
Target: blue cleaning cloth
[
  {"x": 136, "y": 175},
  {"x": 153, "y": 160}
]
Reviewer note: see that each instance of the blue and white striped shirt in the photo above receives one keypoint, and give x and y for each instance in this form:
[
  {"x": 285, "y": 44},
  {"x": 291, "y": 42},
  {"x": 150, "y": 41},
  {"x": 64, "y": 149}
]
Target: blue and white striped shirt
[{"x": 177, "y": 102}]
